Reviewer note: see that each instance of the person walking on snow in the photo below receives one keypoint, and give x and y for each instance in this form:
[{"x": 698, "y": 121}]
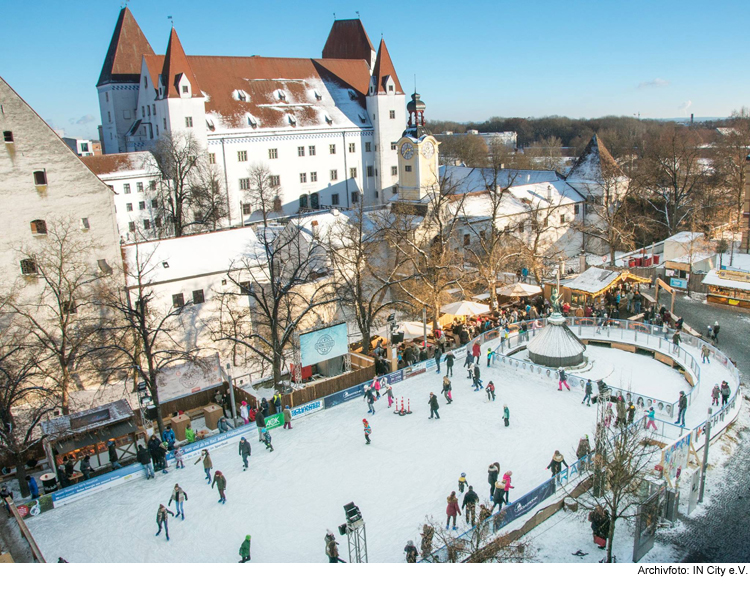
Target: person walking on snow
[
  {"x": 266, "y": 438},
  {"x": 370, "y": 402},
  {"x": 682, "y": 406},
  {"x": 245, "y": 550},
  {"x": 287, "y": 418},
  {"x": 650, "y": 415},
  {"x": 490, "y": 389},
  {"x": 368, "y": 430},
  {"x": 221, "y": 484},
  {"x": 447, "y": 390},
  {"x": 506, "y": 415},
  {"x": 179, "y": 497},
  {"x": 438, "y": 354},
  {"x": 434, "y": 406},
  {"x": 205, "y": 457},
  {"x": 452, "y": 510},
  {"x": 450, "y": 359},
  {"x": 492, "y": 473},
  {"x": 244, "y": 451},
  {"x": 161, "y": 520},
  {"x": 562, "y": 379},
  {"x": 587, "y": 396},
  {"x": 469, "y": 506}
]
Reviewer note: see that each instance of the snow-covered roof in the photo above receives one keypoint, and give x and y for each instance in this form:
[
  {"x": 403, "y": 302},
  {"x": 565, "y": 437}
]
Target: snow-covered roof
[
  {"x": 462, "y": 179},
  {"x": 695, "y": 257},
  {"x": 712, "y": 278},
  {"x": 114, "y": 165},
  {"x": 685, "y": 237},
  {"x": 88, "y": 420},
  {"x": 173, "y": 259},
  {"x": 593, "y": 280},
  {"x": 595, "y": 164}
]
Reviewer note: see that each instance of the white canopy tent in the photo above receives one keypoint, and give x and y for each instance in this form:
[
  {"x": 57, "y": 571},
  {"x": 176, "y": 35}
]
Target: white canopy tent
[
  {"x": 465, "y": 308},
  {"x": 519, "y": 290}
]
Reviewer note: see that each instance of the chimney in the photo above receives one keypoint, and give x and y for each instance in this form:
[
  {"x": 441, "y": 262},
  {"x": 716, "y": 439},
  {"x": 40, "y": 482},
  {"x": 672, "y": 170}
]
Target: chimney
[{"x": 692, "y": 118}]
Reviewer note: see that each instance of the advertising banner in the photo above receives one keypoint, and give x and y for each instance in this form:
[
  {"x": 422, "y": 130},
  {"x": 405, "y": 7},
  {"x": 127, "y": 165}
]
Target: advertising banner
[
  {"x": 674, "y": 458},
  {"x": 395, "y": 377},
  {"x": 35, "y": 507},
  {"x": 309, "y": 408},
  {"x": 414, "y": 370},
  {"x": 343, "y": 396},
  {"x": 274, "y": 421},
  {"x": 523, "y": 505},
  {"x": 323, "y": 344}
]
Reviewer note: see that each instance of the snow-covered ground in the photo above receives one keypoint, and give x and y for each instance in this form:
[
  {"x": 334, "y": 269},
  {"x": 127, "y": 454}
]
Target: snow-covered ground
[{"x": 288, "y": 498}]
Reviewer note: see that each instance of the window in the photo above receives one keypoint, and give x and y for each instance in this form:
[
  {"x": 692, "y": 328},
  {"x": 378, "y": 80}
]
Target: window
[
  {"x": 139, "y": 187},
  {"x": 164, "y": 121},
  {"x": 38, "y": 227},
  {"x": 211, "y": 158},
  {"x": 178, "y": 300},
  {"x": 28, "y": 267},
  {"x": 273, "y": 154},
  {"x": 244, "y": 184},
  {"x": 242, "y": 156},
  {"x": 246, "y": 209},
  {"x": 146, "y": 224},
  {"x": 313, "y": 177},
  {"x": 157, "y": 131},
  {"x": 332, "y": 148},
  {"x": 301, "y": 151},
  {"x": 311, "y": 150},
  {"x": 188, "y": 121},
  {"x": 109, "y": 117},
  {"x": 154, "y": 203},
  {"x": 85, "y": 224},
  {"x": 370, "y": 171},
  {"x": 303, "y": 201},
  {"x": 390, "y": 88},
  {"x": 394, "y": 170},
  {"x": 157, "y": 221},
  {"x": 355, "y": 196},
  {"x": 128, "y": 207},
  {"x": 8, "y": 137},
  {"x": 576, "y": 209},
  {"x": 407, "y": 168},
  {"x": 393, "y": 114},
  {"x": 274, "y": 180},
  {"x": 352, "y": 173},
  {"x": 335, "y": 199},
  {"x": 562, "y": 219},
  {"x": 467, "y": 239},
  {"x": 334, "y": 175},
  {"x": 148, "y": 110},
  {"x": 152, "y": 185},
  {"x": 126, "y": 188},
  {"x": 315, "y": 201},
  {"x": 352, "y": 148},
  {"x": 368, "y": 147},
  {"x": 104, "y": 267},
  {"x": 303, "y": 177},
  {"x": 245, "y": 288},
  {"x": 131, "y": 226},
  {"x": 394, "y": 189},
  {"x": 198, "y": 297},
  {"x": 184, "y": 89},
  {"x": 69, "y": 307},
  {"x": 394, "y": 147},
  {"x": 141, "y": 205},
  {"x": 40, "y": 177},
  {"x": 106, "y": 96},
  {"x": 143, "y": 111}
]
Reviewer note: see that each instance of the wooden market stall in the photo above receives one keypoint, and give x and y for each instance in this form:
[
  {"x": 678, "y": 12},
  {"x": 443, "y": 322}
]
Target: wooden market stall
[
  {"x": 728, "y": 286},
  {"x": 592, "y": 284}
]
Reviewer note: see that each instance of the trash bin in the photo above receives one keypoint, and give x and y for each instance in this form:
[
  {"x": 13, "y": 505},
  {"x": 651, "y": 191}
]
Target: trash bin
[{"x": 49, "y": 482}]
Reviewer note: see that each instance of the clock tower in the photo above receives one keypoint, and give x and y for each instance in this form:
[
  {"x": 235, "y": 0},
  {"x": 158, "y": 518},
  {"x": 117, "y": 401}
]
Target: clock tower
[{"x": 418, "y": 170}]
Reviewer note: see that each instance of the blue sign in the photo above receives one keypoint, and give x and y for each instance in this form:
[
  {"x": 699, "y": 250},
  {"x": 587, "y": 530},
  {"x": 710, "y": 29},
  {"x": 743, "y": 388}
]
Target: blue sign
[
  {"x": 343, "y": 396},
  {"x": 525, "y": 504},
  {"x": 678, "y": 283}
]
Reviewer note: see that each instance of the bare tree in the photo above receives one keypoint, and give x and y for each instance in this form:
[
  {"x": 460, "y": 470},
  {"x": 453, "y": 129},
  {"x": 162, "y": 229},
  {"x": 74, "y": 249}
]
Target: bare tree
[{"x": 209, "y": 200}]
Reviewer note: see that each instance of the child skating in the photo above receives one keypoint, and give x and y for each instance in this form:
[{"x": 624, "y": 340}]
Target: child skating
[
  {"x": 447, "y": 390},
  {"x": 266, "y": 438},
  {"x": 368, "y": 430},
  {"x": 490, "y": 389},
  {"x": 506, "y": 415},
  {"x": 462, "y": 482}
]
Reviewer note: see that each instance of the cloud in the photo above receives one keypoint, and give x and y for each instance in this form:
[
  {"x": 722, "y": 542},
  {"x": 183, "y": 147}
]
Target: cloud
[
  {"x": 685, "y": 106},
  {"x": 655, "y": 83},
  {"x": 85, "y": 120}
]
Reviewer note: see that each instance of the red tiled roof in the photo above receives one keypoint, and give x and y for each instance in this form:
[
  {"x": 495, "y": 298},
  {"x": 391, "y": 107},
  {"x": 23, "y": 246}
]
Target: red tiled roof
[
  {"x": 108, "y": 163},
  {"x": 175, "y": 64},
  {"x": 155, "y": 64},
  {"x": 128, "y": 44},
  {"x": 384, "y": 68},
  {"x": 348, "y": 40}
]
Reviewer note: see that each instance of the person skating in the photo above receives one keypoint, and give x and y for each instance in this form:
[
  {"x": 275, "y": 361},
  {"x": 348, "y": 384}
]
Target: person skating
[
  {"x": 468, "y": 362},
  {"x": 492, "y": 474},
  {"x": 221, "y": 484},
  {"x": 469, "y": 505},
  {"x": 161, "y": 520},
  {"x": 476, "y": 351},
  {"x": 389, "y": 395},
  {"x": 631, "y": 413},
  {"x": 260, "y": 423},
  {"x": 370, "y": 397},
  {"x": 490, "y": 355},
  {"x": 507, "y": 485},
  {"x": 588, "y": 391},
  {"x": 556, "y": 463},
  {"x": 498, "y": 496},
  {"x": 368, "y": 430},
  {"x": 205, "y": 457},
  {"x": 434, "y": 406},
  {"x": 287, "y": 418},
  {"x": 682, "y": 409},
  {"x": 179, "y": 497},
  {"x": 715, "y": 395},
  {"x": 144, "y": 458},
  {"x": 411, "y": 552},
  {"x": 245, "y": 550},
  {"x": 266, "y": 439},
  {"x": 506, "y": 415},
  {"x": 450, "y": 359},
  {"x": 452, "y": 510},
  {"x": 462, "y": 482},
  {"x": 705, "y": 354},
  {"x": 650, "y": 416},
  {"x": 490, "y": 389},
  {"x": 562, "y": 379},
  {"x": 179, "y": 456},
  {"x": 476, "y": 377},
  {"x": 447, "y": 386},
  {"x": 438, "y": 354},
  {"x": 726, "y": 392},
  {"x": 245, "y": 452},
  {"x": 332, "y": 550},
  {"x": 153, "y": 448}
]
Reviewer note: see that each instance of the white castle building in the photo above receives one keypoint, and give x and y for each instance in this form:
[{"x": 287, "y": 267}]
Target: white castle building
[{"x": 327, "y": 129}]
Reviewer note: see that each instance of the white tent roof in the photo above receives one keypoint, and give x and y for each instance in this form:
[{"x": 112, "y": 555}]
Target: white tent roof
[
  {"x": 519, "y": 290},
  {"x": 465, "y": 308}
]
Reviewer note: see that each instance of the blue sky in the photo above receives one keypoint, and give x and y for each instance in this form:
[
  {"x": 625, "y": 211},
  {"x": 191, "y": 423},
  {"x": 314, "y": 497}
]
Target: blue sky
[{"x": 473, "y": 59}]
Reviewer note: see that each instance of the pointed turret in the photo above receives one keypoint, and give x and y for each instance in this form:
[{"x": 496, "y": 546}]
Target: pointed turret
[
  {"x": 128, "y": 45},
  {"x": 383, "y": 70},
  {"x": 595, "y": 164},
  {"x": 348, "y": 40},
  {"x": 175, "y": 66}
]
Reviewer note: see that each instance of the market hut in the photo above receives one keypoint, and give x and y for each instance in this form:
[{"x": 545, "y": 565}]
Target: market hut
[{"x": 593, "y": 283}]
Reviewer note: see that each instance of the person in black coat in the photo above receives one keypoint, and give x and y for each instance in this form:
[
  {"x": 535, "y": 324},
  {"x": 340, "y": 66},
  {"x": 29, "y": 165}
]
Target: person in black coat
[
  {"x": 434, "y": 406},
  {"x": 492, "y": 474},
  {"x": 154, "y": 448},
  {"x": 599, "y": 519},
  {"x": 144, "y": 458},
  {"x": 411, "y": 552},
  {"x": 438, "y": 354},
  {"x": 264, "y": 407},
  {"x": 260, "y": 422},
  {"x": 244, "y": 451},
  {"x": 469, "y": 505}
]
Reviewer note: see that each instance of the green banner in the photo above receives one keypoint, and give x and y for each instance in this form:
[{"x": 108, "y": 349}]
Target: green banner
[{"x": 274, "y": 421}]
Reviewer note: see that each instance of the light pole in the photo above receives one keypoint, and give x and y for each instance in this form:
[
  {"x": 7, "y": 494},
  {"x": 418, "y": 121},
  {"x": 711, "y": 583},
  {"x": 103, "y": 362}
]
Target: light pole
[{"x": 705, "y": 456}]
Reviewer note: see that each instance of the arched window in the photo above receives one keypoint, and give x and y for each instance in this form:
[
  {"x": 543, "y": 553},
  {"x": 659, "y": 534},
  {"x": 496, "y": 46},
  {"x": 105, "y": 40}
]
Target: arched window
[
  {"x": 303, "y": 201},
  {"x": 314, "y": 201}
]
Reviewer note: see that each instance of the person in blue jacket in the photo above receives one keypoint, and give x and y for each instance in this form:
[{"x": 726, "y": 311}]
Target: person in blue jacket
[
  {"x": 33, "y": 487},
  {"x": 170, "y": 437}
]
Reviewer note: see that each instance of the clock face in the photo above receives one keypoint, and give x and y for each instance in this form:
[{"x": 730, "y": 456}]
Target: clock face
[
  {"x": 428, "y": 150},
  {"x": 407, "y": 151}
]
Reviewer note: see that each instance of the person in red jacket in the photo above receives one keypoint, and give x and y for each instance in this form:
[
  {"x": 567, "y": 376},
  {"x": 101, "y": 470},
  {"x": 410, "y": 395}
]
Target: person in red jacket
[
  {"x": 452, "y": 510},
  {"x": 476, "y": 350}
]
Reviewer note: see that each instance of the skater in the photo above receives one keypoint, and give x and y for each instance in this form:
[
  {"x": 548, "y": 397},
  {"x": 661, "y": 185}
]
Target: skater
[
  {"x": 179, "y": 497},
  {"x": 492, "y": 474},
  {"x": 562, "y": 379},
  {"x": 462, "y": 482},
  {"x": 490, "y": 389},
  {"x": 650, "y": 422},
  {"x": 498, "y": 496},
  {"x": 484, "y": 513},
  {"x": 245, "y": 452},
  {"x": 715, "y": 395},
  {"x": 470, "y": 505},
  {"x": 506, "y": 415},
  {"x": 469, "y": 361},
  {"x": 620, "y": 406},
  {"x": 584, "y": 447},
  {"x": 490, "y": 355},
  {"x": 716, "y": 332},
  {"x": 438, "y": 354},
  {"x": 245, "y": 412},
  {"x": 587, "y": 396},
  {"x": 389, "y": 394},
  {"x": 245, "y": 550},
  {"x": 370, "y": 401},
  {"x": 705, "y": 354},
  {"x": 368, "y": 430},
  {"x": 427, "y": 534},
  {"x": 631, "y": 413},
  {"x": 682, "y": 409},
  {"x": 260, "y": 423},
  {"x": 725, "y": 393},
  {"x": 161, "y": 519},
  {"x": 676, "y": 342},
  {"x": 33, "y": 487},
  {"x": 179, "y": 454},
  {"x": 331, "y": 549},
  {"x": 153, "y": 449},
  {"x": 450, "y": 359},
  {"x": 476, "y": 378},
  {"x": 447, "y": 389},
  {"x": 476, "y": 351},
  {"x": 452, "y": 510},
  {"x": 556, "y": 463},
  {"x": 144, "y": 458},
  {"x": 506, "y": 485},
  {"x": 267, "y": 439},
  {"x": 207, "y": 463},
  {"x": 599, "y": 519},
  {"x": 608, "y": 414},
  {"x": 434, "y": 406},
  {"x": 221, "y": 484},
  {"x": 411, "y": 552},
  {"x": 287, "y": 418},
  {"x": 112, "y": 452}
]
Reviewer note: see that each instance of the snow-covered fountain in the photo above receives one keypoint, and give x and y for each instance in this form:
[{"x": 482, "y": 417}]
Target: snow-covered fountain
[{"x": 556, "y": 345}]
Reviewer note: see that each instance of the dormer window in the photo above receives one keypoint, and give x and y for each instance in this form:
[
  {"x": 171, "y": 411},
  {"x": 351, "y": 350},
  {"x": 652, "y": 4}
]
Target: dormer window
[
  {"x": 241, "y": 96},
  {"x": 328, "y": 119},
  {"x": 185, "y": 89},
  {"x": 252, "y": 121},
  {"x": 292, "y": 120},
  {"x": 40, "y": 178},
  {"x": 362, "y": 118},
  {"x": 281, "y": 95},
  {"x": 318, "y": 96},
  {"x": 210, "y": 125}
]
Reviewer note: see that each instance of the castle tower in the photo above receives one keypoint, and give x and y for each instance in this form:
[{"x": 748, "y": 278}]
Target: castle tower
[
  {"x": 348, "y": 40},
  {"x": 418, "y": 169},
  {"x": 119, "y": 81}
]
